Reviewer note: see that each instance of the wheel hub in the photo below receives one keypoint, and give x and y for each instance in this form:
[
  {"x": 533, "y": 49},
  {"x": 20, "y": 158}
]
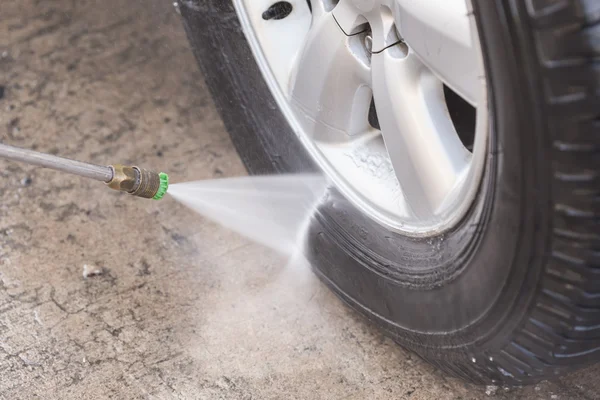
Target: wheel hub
[
  {"x": 364, "y": 5},
  {"x": 354, "y": 16}
]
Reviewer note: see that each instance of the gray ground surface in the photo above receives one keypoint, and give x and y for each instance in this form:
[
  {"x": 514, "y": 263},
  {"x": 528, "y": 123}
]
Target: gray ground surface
[{"x": 183, "y": 308}]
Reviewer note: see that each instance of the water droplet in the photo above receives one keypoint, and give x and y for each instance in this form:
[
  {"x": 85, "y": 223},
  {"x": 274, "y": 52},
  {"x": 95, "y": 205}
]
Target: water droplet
[{"x": 491, "y": 390}]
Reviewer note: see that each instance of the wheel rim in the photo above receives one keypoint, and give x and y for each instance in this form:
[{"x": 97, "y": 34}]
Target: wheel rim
[{"x": 326, "y": 62}]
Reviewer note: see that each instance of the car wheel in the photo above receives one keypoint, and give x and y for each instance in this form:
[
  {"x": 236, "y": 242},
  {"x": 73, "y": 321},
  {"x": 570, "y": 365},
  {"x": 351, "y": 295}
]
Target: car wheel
[{"x": 463, "y": 141}]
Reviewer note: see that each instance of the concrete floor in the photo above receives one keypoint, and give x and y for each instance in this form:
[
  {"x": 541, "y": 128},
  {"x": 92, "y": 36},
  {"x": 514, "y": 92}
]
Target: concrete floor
[{"x": 183, "y": 308}]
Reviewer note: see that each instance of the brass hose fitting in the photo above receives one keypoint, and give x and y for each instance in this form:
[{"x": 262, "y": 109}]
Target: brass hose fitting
[
  {"x": 124, "y": 179},
  {"x": 148, "y": 185},
  {"x": 138, "y": 181}
]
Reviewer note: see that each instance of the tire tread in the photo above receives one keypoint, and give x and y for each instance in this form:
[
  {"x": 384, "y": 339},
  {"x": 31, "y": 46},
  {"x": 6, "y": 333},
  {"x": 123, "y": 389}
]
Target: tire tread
[{"x": 562, "y": 327}]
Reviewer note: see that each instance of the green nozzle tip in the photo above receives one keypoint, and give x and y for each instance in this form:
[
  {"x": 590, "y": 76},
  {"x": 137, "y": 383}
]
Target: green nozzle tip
[{"x": 164, "y": 185}]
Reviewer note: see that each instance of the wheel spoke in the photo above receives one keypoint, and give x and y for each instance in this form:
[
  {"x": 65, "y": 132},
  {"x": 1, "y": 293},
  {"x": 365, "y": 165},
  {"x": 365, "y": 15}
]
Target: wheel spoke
[
  {"x": 329, "y": 89},
  {"x": 426, "y": 153},
  {"x": 439, "y": 31}
]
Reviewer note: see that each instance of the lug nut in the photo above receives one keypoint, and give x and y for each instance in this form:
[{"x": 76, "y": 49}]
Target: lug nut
[{"x": 369, "y": 43}]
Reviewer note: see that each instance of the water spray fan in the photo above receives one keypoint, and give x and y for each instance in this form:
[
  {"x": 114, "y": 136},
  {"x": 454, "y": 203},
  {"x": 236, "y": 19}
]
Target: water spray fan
[{"x": 134, "y": 180}]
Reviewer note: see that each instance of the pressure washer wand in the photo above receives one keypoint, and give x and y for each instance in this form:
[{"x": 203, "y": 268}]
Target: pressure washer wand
[{"x": 133, "y": 180}]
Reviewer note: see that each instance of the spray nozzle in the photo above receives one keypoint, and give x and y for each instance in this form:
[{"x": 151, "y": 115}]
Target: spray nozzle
[
  {"x": 138, "y": 181},
  {"x": 133, "y": 180}
]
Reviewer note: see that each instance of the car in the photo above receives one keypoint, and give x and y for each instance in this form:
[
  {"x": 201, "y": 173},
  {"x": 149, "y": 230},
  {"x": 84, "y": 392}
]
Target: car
[{"x": 462, "y": 138}]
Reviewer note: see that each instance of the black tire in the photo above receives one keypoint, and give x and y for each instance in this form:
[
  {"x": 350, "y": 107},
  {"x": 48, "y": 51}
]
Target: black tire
[{"x": 512, "y": 294}]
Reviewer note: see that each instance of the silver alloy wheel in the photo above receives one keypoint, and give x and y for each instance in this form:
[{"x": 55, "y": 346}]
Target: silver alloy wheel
[{"x": 324, "y": 62}]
